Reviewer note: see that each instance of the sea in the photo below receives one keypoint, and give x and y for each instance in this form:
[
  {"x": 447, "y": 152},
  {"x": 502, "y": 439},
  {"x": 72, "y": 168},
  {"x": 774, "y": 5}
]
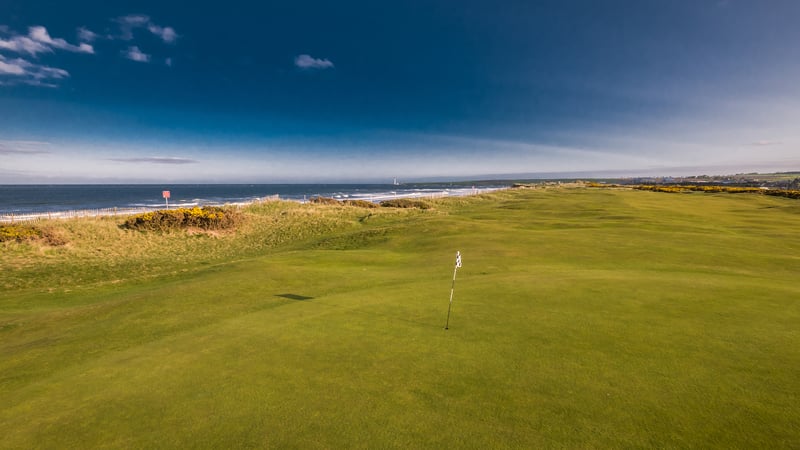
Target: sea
[{"x": 22, "y": 200}]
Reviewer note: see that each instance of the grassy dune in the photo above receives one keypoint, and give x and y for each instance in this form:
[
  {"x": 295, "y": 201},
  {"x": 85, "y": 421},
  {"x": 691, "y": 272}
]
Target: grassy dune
[{"x": 582, "y": 318}]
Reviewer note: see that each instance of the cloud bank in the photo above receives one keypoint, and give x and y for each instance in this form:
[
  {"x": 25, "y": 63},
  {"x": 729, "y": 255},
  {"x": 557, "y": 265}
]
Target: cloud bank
[
  {"x": 156, "y": 160},
  {"x": 23, "y": 147}
]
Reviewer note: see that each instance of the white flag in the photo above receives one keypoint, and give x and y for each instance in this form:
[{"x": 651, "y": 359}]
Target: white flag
[{"x": 458, "y": 260}]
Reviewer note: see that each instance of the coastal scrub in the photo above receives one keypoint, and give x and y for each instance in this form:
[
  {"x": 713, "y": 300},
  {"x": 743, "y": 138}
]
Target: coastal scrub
[{"x": 206, "y": 218}]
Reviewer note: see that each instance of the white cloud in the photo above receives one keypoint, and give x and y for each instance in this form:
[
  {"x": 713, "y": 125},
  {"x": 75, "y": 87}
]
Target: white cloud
[
  {"x": 167, "y": 34},
  {"x": 133, "y": 21},
  {"x": 38, "y": 41},
  {"x": 134, "y": 54},
  {"x": 765, "y": 143},
  {"x": 129, "y": 22},
  {"x": 18, "y": 70},
  {"x": 10, "y": 68},
  {"x": 308, "y": 62},
  {"x": 24, "y": 44},
  {"x": 41, "y": 35},
  {"x": 86, "y": 35}
]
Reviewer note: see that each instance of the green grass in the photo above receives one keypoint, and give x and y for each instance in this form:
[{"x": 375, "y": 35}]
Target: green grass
[{"x": 582, "y": 319}]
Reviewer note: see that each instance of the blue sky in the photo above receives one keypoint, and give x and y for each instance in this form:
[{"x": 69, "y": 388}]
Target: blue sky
[{"x": 320, "y": 91}]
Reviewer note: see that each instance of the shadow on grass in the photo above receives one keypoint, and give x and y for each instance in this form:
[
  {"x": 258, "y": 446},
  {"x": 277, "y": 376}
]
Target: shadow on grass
[
  {"x": 361, "y": 311},
  {"x": 294, "y": 297},
  {"x": 395, "y": 317}
]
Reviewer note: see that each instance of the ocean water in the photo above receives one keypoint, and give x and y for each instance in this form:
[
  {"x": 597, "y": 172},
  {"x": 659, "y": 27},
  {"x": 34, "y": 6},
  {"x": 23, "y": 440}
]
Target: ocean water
[{"x": 31, "y": 199}]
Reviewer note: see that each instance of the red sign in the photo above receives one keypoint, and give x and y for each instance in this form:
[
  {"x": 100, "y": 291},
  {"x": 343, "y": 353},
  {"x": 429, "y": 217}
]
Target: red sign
[{"x": 165, "y": 194}]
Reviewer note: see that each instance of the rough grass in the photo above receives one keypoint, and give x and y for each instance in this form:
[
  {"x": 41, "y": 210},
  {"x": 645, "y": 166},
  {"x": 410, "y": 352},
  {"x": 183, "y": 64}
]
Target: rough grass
[
  {"x": 581, "y": 319},
  {"x": 100, "y": 250}
]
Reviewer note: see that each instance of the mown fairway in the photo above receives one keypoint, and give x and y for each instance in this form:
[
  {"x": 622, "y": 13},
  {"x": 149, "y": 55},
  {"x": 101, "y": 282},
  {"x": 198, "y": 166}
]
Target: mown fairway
[{"x": 582, "y": 318}]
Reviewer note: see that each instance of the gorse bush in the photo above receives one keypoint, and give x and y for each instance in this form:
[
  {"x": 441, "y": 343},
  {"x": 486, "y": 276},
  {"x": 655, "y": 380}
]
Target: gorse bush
[
  {"x": 790, "y": 193},
  {"x": 24, "y": 233},
  {"x": 206, "y": 218},
  {"x": 19, "y": 233},
  {"x": 711, "y": 188}
]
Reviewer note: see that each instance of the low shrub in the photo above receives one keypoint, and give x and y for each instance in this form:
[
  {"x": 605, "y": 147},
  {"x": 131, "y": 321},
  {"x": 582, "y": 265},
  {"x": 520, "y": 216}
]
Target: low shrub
[
  {"x": 324, "y": 201},
  {"x": 207, "y": 218},
  {"x": 53, "y": 236},
  {"x": 405, "y": 203},
  {"x": 360, "y": 203}
]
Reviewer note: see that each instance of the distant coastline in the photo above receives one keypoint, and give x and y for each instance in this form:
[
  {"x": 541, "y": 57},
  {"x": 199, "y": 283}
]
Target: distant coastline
[{"x": 30, "y": 202}]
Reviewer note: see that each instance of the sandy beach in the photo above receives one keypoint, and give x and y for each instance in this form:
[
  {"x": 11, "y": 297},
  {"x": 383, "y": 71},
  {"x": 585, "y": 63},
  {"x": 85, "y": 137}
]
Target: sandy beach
[{"x": 375, "y": 197}]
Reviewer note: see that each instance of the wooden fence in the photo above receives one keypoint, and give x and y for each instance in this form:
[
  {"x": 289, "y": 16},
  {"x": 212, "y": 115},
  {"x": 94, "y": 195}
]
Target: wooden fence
[{"x": 35, "y": 216}]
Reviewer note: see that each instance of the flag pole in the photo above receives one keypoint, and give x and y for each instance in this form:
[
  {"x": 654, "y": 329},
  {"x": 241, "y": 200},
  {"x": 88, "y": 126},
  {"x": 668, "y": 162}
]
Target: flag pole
[{"x": 452, "y": 288}]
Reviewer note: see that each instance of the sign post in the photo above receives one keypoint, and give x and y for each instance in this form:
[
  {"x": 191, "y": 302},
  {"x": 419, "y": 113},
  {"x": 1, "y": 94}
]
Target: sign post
[{"x": 165, "y": 194}]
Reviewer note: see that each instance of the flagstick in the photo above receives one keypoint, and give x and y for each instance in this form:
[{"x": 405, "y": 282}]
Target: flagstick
[
  {"x": 452, "y": 288},
  {"x": 451, "y": 298}
]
